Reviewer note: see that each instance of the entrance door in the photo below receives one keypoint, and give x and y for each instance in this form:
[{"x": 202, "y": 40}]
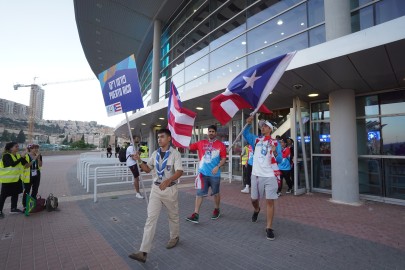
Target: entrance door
[{"x": 300, "y": 132}]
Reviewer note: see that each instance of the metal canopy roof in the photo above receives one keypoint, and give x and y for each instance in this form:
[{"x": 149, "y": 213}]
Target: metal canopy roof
[{"x": 111, "y": 30}]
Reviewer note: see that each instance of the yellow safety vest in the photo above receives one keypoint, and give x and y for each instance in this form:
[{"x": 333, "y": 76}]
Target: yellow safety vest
[
  {"x": 145, "y": 153},
  {"x": 25, "y": 176},
  {"x": 245, "y": 157},
  {"x": 10, "y": 174}
]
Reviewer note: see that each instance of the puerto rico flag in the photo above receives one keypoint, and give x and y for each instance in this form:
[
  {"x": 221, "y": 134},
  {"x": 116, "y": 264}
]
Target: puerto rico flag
[
  {"x": 180, "y": 120},
  {"x": 199, "y": 182},
  {"x": 250, "y": 89}
]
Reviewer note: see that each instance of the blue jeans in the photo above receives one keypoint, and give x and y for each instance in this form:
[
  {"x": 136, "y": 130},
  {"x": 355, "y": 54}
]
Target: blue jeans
[{"x": 209, "y": 181}]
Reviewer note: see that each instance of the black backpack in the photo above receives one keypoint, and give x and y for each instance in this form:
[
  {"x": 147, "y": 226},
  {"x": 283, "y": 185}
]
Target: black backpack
[
  {"x": 51, "y": 203},
  {"x": 122, "y": 155}
]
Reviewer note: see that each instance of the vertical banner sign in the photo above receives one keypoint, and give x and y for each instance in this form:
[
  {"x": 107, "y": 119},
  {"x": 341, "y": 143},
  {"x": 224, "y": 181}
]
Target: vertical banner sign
[{"x": 120, "y": 86}]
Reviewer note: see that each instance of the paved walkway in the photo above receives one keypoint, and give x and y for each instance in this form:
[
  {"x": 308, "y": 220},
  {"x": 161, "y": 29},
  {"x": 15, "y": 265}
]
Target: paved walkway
[{"x": 311, "y": 232}]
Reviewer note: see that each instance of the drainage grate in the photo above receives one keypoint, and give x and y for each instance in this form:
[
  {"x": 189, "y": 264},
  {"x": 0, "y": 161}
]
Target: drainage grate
[{"x": 7, "y": 236}]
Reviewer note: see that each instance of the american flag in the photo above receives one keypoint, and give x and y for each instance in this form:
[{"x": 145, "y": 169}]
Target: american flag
[{"x": 180, "y": 120}]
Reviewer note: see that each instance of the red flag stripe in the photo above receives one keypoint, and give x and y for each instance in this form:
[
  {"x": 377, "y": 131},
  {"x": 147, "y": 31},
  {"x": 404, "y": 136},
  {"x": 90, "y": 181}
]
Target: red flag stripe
[{"x": 181, "y": 129}]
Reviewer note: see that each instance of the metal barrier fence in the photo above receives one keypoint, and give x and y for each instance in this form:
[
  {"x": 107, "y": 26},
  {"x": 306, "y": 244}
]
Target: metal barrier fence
[{"x": 90, "y": 166}]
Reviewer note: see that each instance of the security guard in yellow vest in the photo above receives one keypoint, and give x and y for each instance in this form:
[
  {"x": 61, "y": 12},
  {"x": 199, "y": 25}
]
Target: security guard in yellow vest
[
  {"x": 245, "y": 155},
  {"x": 32, "y": 175},
  {"x": 144, "y": 151},
  {"x": 11, "y": 169}
]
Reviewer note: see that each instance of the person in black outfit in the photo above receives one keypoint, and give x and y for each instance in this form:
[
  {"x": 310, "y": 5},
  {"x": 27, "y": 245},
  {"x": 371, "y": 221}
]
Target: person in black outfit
[
  {"x": 109, "y": 151},
  {"x": 15, "y": 188},
  {"x": 117, "y": 150},
  {"x": 35, "y": 173}
]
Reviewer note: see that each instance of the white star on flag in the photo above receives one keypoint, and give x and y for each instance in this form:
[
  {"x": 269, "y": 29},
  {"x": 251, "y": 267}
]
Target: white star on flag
[
  {"x": 250, "y": 80},
  {"x": 254, "y": 91}
]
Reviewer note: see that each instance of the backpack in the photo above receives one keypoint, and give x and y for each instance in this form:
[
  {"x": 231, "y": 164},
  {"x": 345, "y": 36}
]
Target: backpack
[
  {"x": 122, "y": 155},
  {"x": 40, "y": 205},
  {"x": 51, "y": 203}
]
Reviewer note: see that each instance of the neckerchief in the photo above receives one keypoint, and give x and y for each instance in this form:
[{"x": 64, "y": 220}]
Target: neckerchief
[{"x": 161, "y": 170}]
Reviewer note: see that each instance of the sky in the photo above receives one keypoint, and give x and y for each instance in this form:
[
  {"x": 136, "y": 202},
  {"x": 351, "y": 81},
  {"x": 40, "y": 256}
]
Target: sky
[{"x": 40, "y": 39}]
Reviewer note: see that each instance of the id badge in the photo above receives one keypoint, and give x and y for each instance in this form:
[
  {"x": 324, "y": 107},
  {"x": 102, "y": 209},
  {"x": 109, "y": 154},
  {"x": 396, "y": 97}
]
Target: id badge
[
  {"x": 207, "y": 157},
  {"x": 33, "y": 172}
]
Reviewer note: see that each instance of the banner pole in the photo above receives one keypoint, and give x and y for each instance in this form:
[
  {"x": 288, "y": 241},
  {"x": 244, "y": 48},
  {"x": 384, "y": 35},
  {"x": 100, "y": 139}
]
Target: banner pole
[
  {"x": 135, "y": 149},
  {"x": 240, "y": 133}
]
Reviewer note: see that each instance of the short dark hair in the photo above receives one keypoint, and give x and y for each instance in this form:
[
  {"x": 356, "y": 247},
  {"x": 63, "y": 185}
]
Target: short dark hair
[
  {"x": 9, "y": 145},
  {"x": 214, "y": 127},
  {"x": 165, "y": 131}
]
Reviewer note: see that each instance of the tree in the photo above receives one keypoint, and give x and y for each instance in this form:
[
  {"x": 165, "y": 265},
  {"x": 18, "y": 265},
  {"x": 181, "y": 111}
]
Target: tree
[
  {"x": 21, "y": 137},
  {"x": 82, "y": 139},
  {"x": 13, "y": 137},
  {"x": 71, "y": 141},
  {"x": 5, "y": 136},
  {"x": 48, "y": 141},
  {"x": 106, "y": 141},
  {"x": 65, "y": 141}
]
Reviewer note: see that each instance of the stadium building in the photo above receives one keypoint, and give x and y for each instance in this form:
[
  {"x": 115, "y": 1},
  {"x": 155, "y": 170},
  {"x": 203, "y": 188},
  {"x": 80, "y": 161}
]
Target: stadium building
[{"x": 342, "y": 98}]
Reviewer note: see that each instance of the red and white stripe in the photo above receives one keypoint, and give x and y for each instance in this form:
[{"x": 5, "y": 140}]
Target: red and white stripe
[
  {"x": 226, "y": 105},
  {"x": 180, "y": 122}
]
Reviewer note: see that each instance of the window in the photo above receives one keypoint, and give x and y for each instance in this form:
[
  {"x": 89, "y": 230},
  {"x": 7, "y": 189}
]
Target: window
[
  {"x": 320, "y": 111},
  {"x": 233, "y": 68},
  {"x": 317, "y": 35},
  {"x": 196, "y": 69},
  {"x": 316, "y": 12},
  {"x": 321, "y": 138},
  {"x": 295, "y": 43},
  {"x": 278, "y": 28},
  {"x": 228, "y": 53}
]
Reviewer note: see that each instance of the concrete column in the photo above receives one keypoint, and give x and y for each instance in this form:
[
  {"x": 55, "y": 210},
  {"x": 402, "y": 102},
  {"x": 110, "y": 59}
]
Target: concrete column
[
  {"x": 152, "y": 143},
  {"x": 337, "y": 18},
  {"x": 157, "y": 32},
  {"x": 345, "y": 180}
]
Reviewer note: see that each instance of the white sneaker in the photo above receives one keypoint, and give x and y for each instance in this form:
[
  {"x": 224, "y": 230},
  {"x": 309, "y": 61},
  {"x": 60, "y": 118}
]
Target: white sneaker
[
  {"x": 245, "y": 190},
  {"x": 139, "y": 196}
]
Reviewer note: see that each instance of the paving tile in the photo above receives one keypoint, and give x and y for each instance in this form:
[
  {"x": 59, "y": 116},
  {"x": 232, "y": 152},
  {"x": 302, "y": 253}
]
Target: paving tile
[{"x": 311, "y": 232}]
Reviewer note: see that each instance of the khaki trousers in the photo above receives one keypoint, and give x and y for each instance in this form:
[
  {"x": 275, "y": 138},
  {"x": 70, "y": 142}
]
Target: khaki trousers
[{"x": 169, "y": 198}]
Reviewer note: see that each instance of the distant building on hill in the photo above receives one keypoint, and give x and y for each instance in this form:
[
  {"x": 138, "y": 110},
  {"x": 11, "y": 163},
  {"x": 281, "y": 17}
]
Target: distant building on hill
[{"x": 13, "y": 109}]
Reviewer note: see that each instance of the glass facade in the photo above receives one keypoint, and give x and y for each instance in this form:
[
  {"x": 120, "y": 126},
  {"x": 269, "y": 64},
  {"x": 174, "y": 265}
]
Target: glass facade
[
  {"x": 321, "y": 145},
  {"x": 380, "y": 144},
  {"x": 209, "y": 40},
  {"x": 368, "y": 13}
]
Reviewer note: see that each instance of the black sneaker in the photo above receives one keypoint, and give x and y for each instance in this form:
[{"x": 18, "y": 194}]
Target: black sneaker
[
  {"x": 16, "y": 210},
  {"x": 193, "y": 218},
  {"x": 254, "y": 216},
  {"x": 1, "y": 214},
  {"x": 270, "y": 234},
  {"x": 215, "y": 214}
]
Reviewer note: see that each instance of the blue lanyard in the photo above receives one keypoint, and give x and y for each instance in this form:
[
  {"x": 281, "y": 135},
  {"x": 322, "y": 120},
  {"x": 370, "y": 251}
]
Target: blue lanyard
[{"x": 161, "y": 170}]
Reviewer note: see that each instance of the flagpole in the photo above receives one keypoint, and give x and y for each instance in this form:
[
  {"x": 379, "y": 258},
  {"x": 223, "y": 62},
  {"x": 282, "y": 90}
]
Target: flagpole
[
  {"x": 240, "y": 133},
  {"x": 135, "y": 149}
]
